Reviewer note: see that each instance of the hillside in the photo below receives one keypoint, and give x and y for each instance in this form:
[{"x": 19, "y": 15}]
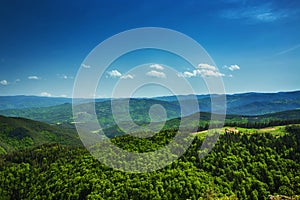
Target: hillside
[
  {"x": 18, "y": 133},
  {"x": 241, "y": 166}
]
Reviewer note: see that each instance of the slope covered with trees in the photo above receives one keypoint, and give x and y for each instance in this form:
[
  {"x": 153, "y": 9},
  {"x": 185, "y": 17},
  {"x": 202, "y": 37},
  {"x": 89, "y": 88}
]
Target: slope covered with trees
[
  {"x": 241, "y": 166},
  {"x": 18, "y": 133}
]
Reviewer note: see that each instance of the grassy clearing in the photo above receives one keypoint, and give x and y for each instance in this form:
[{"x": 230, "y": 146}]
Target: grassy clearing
[{"x": 278, "y": 130}]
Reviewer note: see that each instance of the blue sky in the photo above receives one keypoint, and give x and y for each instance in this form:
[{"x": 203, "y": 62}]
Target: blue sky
[{"x": 254, "y": 44}]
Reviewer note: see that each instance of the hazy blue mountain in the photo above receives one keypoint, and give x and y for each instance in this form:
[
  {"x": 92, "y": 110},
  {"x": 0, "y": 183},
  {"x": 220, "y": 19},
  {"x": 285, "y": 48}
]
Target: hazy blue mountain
[
  {"x": 240, "y": 104},
  {"x": 255, "y": 103},
  {"x": 262, "y": 103},
  {"x": 19, "y": 102},
  {"x": 23, "y": 101},
  {"x": 182, "y": 97},
  {"x": 139, "y": 110}
]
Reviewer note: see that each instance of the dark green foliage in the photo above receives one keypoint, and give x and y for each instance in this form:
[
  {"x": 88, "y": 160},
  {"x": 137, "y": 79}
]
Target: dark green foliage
[
  {"x": 244, "y": 166},
  {"x": 18, "y": 133}
]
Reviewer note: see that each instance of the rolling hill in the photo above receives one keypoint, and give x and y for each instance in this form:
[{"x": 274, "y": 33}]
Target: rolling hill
[{"x": 18, "y": 133}]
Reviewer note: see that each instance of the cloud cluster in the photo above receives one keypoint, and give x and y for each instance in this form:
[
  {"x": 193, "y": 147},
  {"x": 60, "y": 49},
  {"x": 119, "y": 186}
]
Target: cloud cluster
[
  {"x": 116, "y": 74},
  {"x": 3, "y": 82},
  {"x": 154, "y": 71},
  {"x": 127, "y": 76},
  {"x": 85, "y": 66},
  {"x": 33, "y": 78},
  {"x": 156, "y": 74},
  {"x": 204, "y": 70},
  {"x": 232, "y": 67},
  {"x": 157, "y": 67},
  {"x": 207, "y": 70}
]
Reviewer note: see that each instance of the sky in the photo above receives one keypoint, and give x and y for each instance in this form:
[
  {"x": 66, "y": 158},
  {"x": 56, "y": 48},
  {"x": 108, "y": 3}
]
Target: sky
[{"x": 254, "y": 45}]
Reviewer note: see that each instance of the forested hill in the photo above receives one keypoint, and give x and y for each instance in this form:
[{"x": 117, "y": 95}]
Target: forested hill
[
  {"x": 18, "y": 133},
  {"x": 241, "y": 166}
]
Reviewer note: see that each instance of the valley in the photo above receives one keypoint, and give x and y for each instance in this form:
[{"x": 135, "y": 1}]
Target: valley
[{"x": 252, "y": 159}]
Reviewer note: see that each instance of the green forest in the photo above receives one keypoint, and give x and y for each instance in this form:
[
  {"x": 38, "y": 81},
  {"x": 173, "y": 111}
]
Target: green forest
[{"x": 244, "y": 165}]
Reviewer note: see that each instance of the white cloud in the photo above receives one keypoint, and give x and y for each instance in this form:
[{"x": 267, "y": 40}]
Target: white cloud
[
  {"x": 180, "y": 74},
  {"x": 114, "y": 73},
  {"x": 33, "y": 78},
  {"x": 157, "y": 67},
  {"x": 17, "y": 80},
  {"x": 127, "y": 76},
  {"x": 233, "y": 67},
  {"x": 210, "y": 73},
  {"x": 45, "y": 94},
  {"x": 3, "y": 82},
  {"x": 207, "y": 67},
  {"x": 63, "y": 95},
  {"x": 189, "y": 74},
  {"x": 85, "y": 66},
  {"x": 157, "y": 74},
  {"x": 204, "y": 70}
]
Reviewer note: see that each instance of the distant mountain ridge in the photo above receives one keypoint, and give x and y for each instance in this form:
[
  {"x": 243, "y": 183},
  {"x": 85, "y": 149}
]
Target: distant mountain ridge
[
  {"x": 238, "y": 104},
  {"x": 24, "y": 101},
  {"x": 63, "y": 113},
  {"x": 233, "y": 100}
]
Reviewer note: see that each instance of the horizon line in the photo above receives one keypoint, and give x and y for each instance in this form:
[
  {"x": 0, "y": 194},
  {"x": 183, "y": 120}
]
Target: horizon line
[{"x": 66, "y": 97}]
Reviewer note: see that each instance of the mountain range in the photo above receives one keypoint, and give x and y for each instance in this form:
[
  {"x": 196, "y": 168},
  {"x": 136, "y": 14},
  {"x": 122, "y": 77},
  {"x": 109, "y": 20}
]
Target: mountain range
[{"x": 60, "y": 109}]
